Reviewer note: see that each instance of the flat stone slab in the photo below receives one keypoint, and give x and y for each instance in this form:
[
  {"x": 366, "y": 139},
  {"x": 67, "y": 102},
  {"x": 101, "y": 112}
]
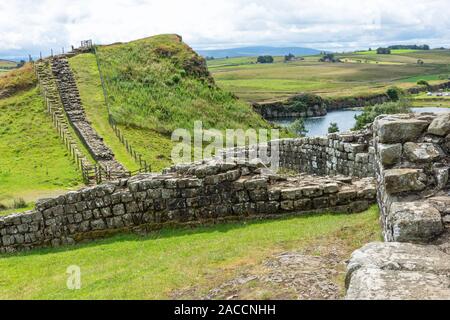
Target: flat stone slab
[{"x": 394, "y": 271}]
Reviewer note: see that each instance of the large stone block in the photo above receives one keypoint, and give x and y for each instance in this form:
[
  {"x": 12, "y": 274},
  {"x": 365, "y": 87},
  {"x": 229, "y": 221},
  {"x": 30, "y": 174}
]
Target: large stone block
[
  {"x": 403, "y": 180},
  {"x": 398, "y": 271},
  {"x": 400, "y": 130},
  {"x": 422, "y": 152},
  {"x": 389, "y": 153},
  {"x": 441, "y": 125},
  {"x": 415, "y": 221}
]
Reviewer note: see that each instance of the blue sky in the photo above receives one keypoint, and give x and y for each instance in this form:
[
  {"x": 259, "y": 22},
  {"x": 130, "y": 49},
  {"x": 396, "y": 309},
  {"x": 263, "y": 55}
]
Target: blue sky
[{"x": 33, "y": 26}]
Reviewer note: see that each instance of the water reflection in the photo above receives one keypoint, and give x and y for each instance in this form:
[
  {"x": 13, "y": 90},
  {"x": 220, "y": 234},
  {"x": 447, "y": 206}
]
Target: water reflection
[{"x": 345, "y": 119}]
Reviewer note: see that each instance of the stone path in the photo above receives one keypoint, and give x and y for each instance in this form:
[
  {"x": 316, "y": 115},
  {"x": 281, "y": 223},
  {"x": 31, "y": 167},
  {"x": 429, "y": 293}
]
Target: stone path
[{"x": 73, "y": 107}]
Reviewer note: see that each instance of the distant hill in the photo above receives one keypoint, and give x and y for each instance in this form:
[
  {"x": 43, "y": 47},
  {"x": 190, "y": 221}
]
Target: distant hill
[{"x": 257, "y": 51}]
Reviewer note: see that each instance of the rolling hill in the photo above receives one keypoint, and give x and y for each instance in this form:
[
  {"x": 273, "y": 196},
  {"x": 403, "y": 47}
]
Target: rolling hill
[{"x": 257, "y": 51}]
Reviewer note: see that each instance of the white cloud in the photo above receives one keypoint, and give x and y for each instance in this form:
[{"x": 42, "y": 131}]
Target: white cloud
[{"x": 28, "y": 25}]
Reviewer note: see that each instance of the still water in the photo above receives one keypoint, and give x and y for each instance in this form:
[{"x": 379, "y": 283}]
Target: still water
[{"x": 318, "y": 126}]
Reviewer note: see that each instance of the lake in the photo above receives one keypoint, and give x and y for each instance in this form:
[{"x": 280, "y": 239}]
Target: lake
[{"x": 318, "y": 126}]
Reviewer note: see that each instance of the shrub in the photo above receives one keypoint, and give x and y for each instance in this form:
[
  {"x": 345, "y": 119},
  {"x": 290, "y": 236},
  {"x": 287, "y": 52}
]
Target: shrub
[
  {"x": 265, "y": 59},
  {"x": 423, "y": 83},
  {"x": 298, "y": 127},
  {"x": 19, "y": 204},
  {"x": 371, "y": 112},
  {"x": 394, "y": 93},
  {"x": 383, "y": 51},
  {"x": 333, "y": 127}
]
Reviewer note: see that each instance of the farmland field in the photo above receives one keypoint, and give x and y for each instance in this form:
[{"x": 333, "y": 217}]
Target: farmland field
[{"x": 360, "y": 73}]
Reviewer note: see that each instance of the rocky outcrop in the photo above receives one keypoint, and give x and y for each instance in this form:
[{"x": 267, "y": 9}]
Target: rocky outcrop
[
  {"x": 206, "y": 192},
  {"x": 298, "y": 106},
  {"x": 74, "y": 110}
]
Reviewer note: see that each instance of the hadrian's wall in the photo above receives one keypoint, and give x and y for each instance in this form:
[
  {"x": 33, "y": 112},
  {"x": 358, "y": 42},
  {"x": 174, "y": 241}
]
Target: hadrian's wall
[
  {"x": 412, "y": 172},
  {"x": 208, "y": 192},
  {"x": 349, "y": 154}
]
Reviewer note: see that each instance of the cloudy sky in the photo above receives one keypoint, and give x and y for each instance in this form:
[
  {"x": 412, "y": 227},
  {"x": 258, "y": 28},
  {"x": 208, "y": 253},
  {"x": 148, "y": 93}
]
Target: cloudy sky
[{"x": 35, "y": 25}]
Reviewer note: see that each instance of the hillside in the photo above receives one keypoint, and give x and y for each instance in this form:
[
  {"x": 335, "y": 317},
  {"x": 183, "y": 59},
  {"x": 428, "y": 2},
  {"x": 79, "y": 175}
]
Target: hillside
[
  {"x": 257, "y": 51},
  {"x": 33, "y": 161},
  {"x": 161, "y": 84}
]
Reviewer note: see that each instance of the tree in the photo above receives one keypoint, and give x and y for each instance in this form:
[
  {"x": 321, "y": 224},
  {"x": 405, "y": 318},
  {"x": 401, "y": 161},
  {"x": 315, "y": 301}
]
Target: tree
[
  {"x": 333, "y": 127},
  {"x": 423, "y": 83},
  {"x": 289, "y": 57},
  {"x": 420, "y": 61},
  {"x": 298, "y": 127},
  {"x": 394, "y": 93},
  {"x": 328, "y": 57},
  {"x": 265, "y": 59},
  {"x": 383, "y": 51}
]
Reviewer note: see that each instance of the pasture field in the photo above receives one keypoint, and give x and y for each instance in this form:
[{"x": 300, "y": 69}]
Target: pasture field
[
  {"x": 362, "y": 74},
  {"x": 33, "y": 161},
  {"x": 183, "y": 263}
]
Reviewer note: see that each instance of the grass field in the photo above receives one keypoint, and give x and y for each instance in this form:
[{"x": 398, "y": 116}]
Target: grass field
[
  {"x": 363, "y": 73},
  {"x": 159, "y": 265},
  {"x": 33, "y": 162}
]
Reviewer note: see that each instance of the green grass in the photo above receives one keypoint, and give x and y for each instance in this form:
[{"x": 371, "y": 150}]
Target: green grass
[
  {"x": 87, "y": 76},
  {"x": 159, "y": 83},
  {"x": 33, "y": 161},
  {"x": 396, "y": 51},
  {"x": 152, "y": 267},
  {"x": 375, "y": 73}
]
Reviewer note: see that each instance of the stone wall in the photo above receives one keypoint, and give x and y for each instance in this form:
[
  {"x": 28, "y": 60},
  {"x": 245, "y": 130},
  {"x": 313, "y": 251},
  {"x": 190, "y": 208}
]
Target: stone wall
[
  {"x": 206, "y": 192},
  {"x": 412, "y": 155},
  {"x": 71, "y": 100},
  {"x": 349, "y": 154}
]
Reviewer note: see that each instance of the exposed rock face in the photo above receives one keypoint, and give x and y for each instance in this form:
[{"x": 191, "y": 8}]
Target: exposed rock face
[{"x": 398, "y": 271}]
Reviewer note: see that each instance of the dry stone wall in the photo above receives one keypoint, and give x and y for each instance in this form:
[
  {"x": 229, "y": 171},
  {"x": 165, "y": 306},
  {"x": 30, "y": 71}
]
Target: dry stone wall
[
  {"x": 349, "y": 154},
  {"x": 412, "y": 172},
  {"x": 184, "y": 195},
  {"x": 73, "y": 107}
]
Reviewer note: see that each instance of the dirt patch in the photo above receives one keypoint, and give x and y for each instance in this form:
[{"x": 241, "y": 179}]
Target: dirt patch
[{"x": 315, "y": 273}]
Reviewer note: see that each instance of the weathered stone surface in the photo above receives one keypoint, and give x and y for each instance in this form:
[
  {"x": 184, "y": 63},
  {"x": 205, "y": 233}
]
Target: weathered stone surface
[
  {"x": 441, "y": 125},
  {"x": 422, "y": 152},
  {"x": 390, "y": 153},
  {"x": 401, "y": 180},
  {"x": 400, "y": 130},
  {"x": 398, "y": 271},
  {"x": 415, "y": 221}
]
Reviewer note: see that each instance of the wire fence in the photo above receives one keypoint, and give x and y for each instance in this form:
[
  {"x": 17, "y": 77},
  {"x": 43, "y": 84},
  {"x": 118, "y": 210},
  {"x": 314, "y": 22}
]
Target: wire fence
[
  {"x": 89, "y": 171},
  {"x": 138, "y": 158}
]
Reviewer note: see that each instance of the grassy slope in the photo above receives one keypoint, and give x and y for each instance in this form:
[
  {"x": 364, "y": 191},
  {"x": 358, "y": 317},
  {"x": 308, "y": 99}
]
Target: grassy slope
[
  {"x": 87, "y": 76},
  {"x": 132, "y": 267},
  {"x": 154, "y": 146},
  {"x": 17, "y": 80},
  {"x": 161, "y": 84},
  {"x": 257, "y": 82},
  {"x": 33, "y": 161}
]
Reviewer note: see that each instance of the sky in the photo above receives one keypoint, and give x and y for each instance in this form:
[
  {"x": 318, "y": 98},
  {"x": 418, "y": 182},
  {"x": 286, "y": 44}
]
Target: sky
[{"x": 31, "y": 26}]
